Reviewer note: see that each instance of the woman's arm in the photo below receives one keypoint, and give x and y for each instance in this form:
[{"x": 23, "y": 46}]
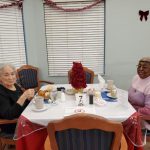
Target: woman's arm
[
  {"x": 146, "y": 109},
  {"x": 9, "y": 109}
]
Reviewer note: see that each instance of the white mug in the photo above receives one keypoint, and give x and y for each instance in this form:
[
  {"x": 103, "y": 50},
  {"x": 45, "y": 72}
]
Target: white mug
[
  {"x": 110, "y": 84},
  {"x": 39, "y": 102}
]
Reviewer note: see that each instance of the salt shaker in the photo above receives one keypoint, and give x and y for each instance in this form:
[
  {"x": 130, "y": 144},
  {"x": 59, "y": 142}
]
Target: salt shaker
[
  {"x": 63, "y": 98},
  {"x": 59, "y": 93}
]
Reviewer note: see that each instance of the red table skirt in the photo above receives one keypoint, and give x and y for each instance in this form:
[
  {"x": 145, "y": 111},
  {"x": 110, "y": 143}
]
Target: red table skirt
[{"x": 33, "y": 141}]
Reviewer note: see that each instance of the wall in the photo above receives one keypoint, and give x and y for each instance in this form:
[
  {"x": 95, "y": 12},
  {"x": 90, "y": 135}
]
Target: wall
[{"x": 126, "y": 39}]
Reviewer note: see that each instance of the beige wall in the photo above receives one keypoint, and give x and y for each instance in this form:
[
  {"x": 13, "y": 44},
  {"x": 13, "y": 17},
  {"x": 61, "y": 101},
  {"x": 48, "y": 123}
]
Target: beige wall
[{"x": 126, "y": 39}]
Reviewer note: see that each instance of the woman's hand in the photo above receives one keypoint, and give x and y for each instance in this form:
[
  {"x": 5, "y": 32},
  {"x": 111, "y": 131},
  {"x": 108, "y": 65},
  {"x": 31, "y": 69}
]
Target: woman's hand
[{"x": 29, "y": 94}]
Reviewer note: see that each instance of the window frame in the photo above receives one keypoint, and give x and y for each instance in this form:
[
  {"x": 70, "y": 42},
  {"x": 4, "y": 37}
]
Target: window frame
[{"x": 47, "y": 40}]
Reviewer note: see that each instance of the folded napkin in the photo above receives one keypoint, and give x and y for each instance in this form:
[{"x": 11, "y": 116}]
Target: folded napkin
[
  {"x": 106, "y": 98},
  {"x": 101, "y": 81}
]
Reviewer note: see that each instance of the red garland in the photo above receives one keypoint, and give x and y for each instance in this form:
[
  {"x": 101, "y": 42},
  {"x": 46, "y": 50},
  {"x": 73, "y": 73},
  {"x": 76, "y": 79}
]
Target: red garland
[
  {"x": 54, "y": 5},
  {"x": 16, "y": 3},
  {"x": 78, "y": 78}
]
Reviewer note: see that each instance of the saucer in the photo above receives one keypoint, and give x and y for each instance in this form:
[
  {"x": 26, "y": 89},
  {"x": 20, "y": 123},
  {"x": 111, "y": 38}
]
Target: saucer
[
  {"x": 100, "y": 102},
  {"x": 39, "y": 110},
  {"x": 69, "y": 91},
  {"x": 110, "y": 96},
  {"x": 79, "y": 110}
]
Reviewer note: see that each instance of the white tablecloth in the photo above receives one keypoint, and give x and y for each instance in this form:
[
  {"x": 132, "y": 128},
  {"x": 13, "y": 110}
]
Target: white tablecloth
[{"x": 117, "y": 111}]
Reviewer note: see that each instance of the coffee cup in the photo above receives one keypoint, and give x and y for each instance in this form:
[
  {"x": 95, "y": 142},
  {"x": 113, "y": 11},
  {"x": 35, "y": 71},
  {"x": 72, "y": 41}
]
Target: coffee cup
[
  {"x": 39, "y": 102},
  {"x": 113, "y": 93}
]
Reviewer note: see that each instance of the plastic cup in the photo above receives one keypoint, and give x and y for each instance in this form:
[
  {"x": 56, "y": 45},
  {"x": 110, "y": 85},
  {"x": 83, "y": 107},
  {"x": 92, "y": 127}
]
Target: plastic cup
[{"x": 110, "y": 84}]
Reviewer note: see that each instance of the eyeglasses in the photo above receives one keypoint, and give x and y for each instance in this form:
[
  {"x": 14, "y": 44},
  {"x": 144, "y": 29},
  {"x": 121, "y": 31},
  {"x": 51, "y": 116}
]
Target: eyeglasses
[{"x": 142, "y": 66}]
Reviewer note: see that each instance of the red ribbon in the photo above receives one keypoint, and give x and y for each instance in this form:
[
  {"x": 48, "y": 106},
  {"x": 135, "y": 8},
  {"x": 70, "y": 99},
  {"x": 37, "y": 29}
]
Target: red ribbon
[{"x": 143, "y": 14}]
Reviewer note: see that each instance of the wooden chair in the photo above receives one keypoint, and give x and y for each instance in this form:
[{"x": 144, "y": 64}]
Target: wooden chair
[
  {"x": 83, "y": 130},
  {"x": 6, "y": 139},
  {"x": 124, "y": 145},
  {"x": 28, "y": 77},
  {"x": 89, "y": 75}
]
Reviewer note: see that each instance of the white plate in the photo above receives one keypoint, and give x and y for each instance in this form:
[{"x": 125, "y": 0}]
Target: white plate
[
  {"x": 70, "y": 91},
  {"x": 79, "y": 110},
  {"x": 100, "y": 102},
  {"x": 109, "y": 95},
  {"x": 39, "y": 110}
]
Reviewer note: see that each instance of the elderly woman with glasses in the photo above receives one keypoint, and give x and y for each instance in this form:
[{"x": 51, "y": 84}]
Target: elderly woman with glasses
[
  {"x": 12, "y": 99},
  {"x": 139, "y": 92}
]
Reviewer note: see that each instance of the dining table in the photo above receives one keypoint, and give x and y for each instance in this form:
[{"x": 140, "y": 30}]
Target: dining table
[{"x": 31, "y": 127}]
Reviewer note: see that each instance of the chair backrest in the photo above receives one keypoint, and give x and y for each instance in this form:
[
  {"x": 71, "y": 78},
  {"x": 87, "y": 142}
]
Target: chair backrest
[
  {"x": 28, "y": 76},
  {"x": 84, "y": 132},
  {"x": 6, "y": 139},
  {"x": 89, "y": 75}
]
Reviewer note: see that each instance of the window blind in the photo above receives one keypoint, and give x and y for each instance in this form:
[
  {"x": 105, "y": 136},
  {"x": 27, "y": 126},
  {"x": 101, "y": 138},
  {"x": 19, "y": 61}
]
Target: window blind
[
  {"x": 74, "y": 36},
  {"x": 12, "y": 48}
]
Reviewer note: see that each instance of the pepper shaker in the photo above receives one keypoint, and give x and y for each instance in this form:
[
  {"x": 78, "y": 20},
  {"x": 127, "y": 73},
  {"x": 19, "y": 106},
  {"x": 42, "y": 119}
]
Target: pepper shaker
[{"x": 91, "y": 99}]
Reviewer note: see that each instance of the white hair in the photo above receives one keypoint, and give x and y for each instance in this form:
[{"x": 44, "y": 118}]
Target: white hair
[
  {"x": 145, "y": 59},
  {"x": 3, "y": 65}
]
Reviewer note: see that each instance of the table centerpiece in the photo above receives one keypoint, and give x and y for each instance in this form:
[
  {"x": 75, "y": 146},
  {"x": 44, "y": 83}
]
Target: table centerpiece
[{"x": 78, "y": 77}]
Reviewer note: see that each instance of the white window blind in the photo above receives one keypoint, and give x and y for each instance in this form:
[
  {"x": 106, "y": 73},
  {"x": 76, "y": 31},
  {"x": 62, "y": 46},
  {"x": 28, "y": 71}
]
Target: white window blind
[
  {"x": 12, "y": 48},
  {"x": 75, "y": 36}
]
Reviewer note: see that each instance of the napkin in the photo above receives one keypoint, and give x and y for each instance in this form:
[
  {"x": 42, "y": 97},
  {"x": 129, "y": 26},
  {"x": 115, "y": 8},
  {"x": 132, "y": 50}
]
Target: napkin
[{"x": 101, "y": 82}]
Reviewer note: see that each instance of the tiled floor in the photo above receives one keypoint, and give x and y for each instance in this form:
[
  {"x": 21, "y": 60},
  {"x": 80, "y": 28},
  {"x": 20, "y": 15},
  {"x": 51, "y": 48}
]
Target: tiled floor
[{"x": 147, "y": 146}]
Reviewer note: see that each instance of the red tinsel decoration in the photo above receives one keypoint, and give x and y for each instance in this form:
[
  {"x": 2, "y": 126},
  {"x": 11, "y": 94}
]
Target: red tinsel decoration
[
  {"x": 53, "y": 4},
  {"x": 15, "y": 3},
  {"x": 78, "y": 78}
]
